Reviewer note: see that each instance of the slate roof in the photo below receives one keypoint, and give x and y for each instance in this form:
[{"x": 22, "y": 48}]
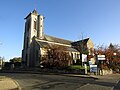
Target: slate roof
[
  {"x": 57, "y": 40},
  {"x": 80, "y": 42},
  {"x": 45, "y": 44}
]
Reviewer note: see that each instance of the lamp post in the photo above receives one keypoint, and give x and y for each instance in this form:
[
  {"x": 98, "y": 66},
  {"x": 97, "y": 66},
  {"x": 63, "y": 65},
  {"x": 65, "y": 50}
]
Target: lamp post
[{"x": 114, "y": 53}]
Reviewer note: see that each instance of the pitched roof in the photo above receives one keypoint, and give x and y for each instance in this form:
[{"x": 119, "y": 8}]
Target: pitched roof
[
  {"x": 45, "y": 44},
  {"x": 33, "y": 12},
  {"x": 57, "y": 40},
  {"x": 84, "y": 42}
]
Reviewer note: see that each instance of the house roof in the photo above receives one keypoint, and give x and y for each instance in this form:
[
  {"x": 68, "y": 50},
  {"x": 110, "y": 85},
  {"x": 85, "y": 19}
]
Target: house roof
[
  {"x": 84, "y": 42},
  {"x": 57, "y": 40}
]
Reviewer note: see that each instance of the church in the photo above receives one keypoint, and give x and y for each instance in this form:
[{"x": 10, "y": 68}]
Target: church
[{"x": 35, "y": 41}]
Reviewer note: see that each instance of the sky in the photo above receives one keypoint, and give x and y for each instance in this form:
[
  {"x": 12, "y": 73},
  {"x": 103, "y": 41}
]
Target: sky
[{"x": 68, "y": 19}]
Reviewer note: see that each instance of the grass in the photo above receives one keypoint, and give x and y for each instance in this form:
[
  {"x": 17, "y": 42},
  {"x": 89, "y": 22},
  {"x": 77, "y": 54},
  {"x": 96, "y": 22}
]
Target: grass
[{"x": 78, "y": 67}]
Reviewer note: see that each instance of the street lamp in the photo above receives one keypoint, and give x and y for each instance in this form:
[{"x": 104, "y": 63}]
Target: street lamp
[{"x": 114, "y": 53}]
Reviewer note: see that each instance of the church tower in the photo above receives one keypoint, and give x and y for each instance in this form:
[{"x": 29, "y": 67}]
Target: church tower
[
  {"x": 40, "y": 33},
  {"x": 34, "y": 27}
]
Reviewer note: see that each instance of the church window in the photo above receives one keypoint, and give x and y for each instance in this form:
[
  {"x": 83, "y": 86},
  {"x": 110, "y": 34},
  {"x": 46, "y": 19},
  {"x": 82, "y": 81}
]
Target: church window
[
  {"x": 37, "y": 55},
  {"x": 72, "y": 55},
  {"x": 26, "y": 57},
  {"x": 75, "y": 55},
  {"x": 35, "y": 25},
  {"x": 27, "y": 42},
  {"x": 78, "y": 55},
  {"x": 28, "y": 26}
]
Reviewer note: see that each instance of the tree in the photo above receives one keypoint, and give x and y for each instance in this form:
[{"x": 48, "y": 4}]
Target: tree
[
  {"x": 81, "y": 47},
  {"x": 112, "y": 53},
  {"x": 56, "y": 56},
  {"x": 113, "y": 56},
  {"x": 16, "y": 61}
]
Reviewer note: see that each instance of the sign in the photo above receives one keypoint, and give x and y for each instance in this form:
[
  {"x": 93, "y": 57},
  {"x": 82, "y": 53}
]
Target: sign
[
  {"x": 93, "y": 68},
  {"x": 90, "y": 62},
  {"x": 100, "y": 57},
  {"x": 84, "y": 58}
]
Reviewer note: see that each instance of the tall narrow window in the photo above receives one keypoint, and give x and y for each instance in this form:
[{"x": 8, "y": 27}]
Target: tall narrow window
[
  {"x": 27, "y": 42},
  {"x": 35, "y": 27},
  {"x": 72, "y": 55},
  {"x": 26, "y": 57},
  {"x": 28, "y": 26}
]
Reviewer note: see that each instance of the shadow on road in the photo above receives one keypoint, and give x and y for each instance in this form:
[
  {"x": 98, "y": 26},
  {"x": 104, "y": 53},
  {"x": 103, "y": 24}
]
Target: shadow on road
[
  {"x": 51, "y": 81},
  {"x": 117, "y": 86}
]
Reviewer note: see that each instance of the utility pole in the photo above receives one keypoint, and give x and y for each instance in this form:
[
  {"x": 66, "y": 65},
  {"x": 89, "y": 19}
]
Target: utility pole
[
  {"x": 82, "y": 42},
  {"x": 82, "y": 47}
]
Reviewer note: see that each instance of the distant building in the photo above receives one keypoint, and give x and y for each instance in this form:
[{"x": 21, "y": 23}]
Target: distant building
[
  {"x": 35, "y": 41},
  {"x": 1, "y": 64},
  {"x": 85, "y": 46}
]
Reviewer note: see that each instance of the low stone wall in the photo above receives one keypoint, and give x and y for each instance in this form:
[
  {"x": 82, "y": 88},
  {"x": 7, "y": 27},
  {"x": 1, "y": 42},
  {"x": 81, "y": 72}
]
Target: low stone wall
[{"x": 106, "y": 72}]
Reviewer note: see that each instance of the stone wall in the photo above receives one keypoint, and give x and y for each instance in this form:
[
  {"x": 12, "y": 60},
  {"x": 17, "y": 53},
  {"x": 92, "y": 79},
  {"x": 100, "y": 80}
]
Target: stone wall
[{"x": 106, "y": 72}]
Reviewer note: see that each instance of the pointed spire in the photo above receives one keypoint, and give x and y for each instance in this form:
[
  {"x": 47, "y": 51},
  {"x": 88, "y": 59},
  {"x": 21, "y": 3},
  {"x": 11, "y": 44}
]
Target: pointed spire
[{"x": 35, "y": 12}]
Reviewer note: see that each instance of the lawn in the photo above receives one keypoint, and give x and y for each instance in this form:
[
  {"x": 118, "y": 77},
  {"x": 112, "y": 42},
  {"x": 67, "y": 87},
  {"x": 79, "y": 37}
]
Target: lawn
[{"x": 78, "y": 67}]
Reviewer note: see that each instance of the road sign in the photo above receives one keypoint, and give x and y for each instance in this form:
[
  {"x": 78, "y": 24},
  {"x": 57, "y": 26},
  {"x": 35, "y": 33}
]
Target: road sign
[
  {"x": 90, "y": 62},
  {"x": 101, "y": 57},
  {"x": 84, "y": 58},
  {"x": 93, "y": 68}
]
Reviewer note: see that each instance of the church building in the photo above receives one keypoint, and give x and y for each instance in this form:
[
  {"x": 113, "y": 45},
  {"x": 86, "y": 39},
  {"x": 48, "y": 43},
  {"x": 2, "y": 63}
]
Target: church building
[{"x": 35, "y": 41}]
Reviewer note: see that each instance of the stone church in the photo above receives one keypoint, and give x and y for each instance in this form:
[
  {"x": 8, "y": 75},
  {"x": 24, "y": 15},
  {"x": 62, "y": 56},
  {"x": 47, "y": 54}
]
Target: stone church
[{"x": 35, "y": 41}]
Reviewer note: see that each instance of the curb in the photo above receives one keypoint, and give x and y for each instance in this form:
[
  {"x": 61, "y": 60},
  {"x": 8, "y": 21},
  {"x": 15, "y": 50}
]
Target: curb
[
  {"x": 115, "y": 85},
  {"x": 16, "y": 83},
  {"x": 62, "y": 74},
  {"x": 18, "y": 86},
  {"x": 82, "y": 76},
  {"x": 12, "y": 81}
]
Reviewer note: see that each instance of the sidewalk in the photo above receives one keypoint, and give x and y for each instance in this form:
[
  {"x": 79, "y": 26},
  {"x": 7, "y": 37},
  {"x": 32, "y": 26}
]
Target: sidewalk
[
  {"x": 109, "y": 76},
  {"x": 8, "y": 84},
  {"x": 83, "y": 76}
]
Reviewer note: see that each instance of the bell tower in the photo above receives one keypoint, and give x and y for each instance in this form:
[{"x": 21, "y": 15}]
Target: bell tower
[
  {"x": 33, "y": 27},
  {"x": 40, "y": 33}
]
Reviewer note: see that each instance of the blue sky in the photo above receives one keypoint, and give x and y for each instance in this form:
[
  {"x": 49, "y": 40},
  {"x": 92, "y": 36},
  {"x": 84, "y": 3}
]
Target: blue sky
[{"x": 97, "y": 19}]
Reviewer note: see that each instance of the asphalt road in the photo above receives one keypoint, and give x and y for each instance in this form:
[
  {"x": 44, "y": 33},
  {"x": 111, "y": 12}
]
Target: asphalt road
[{"x": 60, "y": 82}]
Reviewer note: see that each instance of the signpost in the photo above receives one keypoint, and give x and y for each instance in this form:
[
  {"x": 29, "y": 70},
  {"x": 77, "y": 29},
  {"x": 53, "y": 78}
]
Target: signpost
[
  {"x": 100, "y": 59},
  {"x": 84, "y": 59}
]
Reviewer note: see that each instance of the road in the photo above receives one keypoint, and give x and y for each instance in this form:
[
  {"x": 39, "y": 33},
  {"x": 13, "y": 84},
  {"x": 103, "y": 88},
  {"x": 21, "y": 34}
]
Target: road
[{"x": 60, "y": 82}]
